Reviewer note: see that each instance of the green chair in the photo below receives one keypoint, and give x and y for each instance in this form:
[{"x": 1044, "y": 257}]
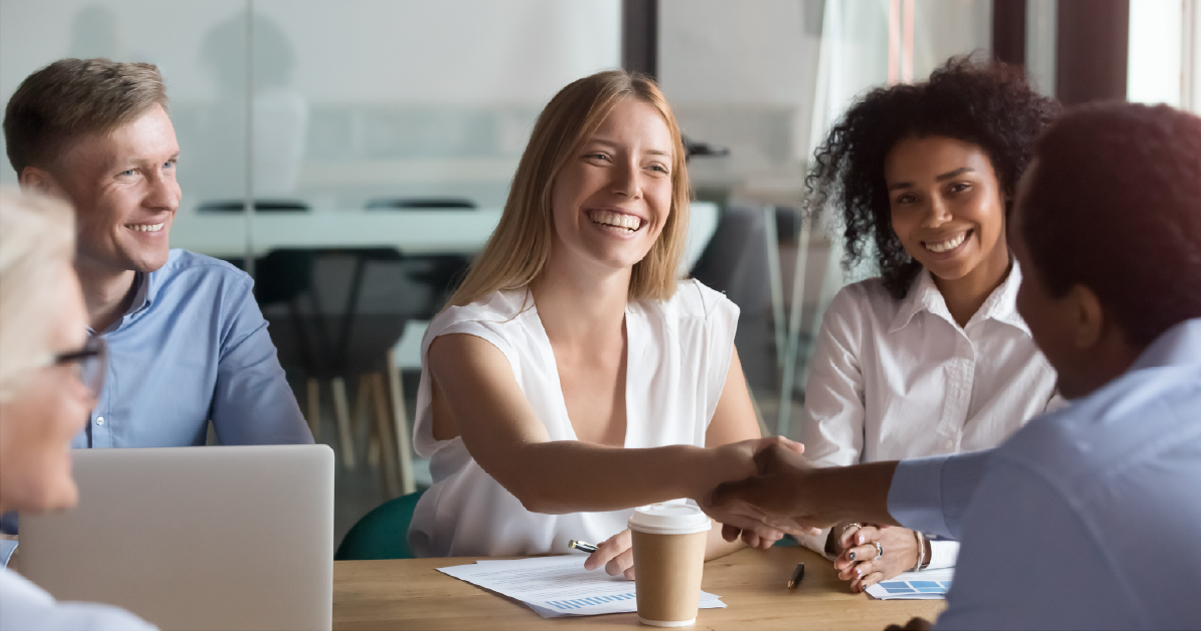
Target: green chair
[{"x": 382, "y": 533}]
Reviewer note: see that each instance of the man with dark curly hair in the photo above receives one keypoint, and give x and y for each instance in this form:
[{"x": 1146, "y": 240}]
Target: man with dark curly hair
[
  {"x": 1060, "y": 525},
  {"x": 931, "y": 357}
]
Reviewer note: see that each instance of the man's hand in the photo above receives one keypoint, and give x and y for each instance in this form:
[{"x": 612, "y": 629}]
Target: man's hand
[
  {"x": 914, "y": 624},
  {"x": 766, "y": 504},
  {"x": 792, "y": 496}
]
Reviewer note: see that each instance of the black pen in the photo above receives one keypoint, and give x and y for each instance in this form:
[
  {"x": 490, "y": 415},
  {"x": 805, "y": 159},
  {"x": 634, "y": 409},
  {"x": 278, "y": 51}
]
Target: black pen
[
  {"x": 581, "y": 546},
  {"x": 797, "y": 575}
]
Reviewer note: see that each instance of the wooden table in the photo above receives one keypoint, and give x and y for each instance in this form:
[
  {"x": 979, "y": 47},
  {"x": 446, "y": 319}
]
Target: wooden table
[{"x": 410, "y": 594}]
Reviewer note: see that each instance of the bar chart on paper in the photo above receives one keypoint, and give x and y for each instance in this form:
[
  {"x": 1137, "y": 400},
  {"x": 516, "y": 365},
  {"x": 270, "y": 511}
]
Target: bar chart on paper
[
  {"x": 580, "y": 603},
  {"x": 928, "y": 585},
  {"x": 558, "y": 586}
]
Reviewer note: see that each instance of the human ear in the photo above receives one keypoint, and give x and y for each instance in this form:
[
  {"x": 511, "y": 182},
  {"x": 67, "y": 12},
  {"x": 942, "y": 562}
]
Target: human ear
[
  {"x": 1088, "y": 318},
  {"x": 40, "y": 180}
]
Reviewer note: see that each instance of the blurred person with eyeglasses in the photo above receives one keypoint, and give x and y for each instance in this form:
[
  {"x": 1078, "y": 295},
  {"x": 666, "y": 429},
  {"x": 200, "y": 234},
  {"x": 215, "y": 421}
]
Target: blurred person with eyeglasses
[
  {"x": 51, "y": 372},
  {"x": 188, "y": 343}
]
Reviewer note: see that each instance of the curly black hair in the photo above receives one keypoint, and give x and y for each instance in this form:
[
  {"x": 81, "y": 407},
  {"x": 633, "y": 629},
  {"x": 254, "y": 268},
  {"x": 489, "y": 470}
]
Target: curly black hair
[{"x": 988, "y": 104}]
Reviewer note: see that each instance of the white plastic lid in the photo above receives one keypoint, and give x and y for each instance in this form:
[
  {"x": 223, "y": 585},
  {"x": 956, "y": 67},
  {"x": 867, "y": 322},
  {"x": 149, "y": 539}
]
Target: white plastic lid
[{"x": 677, "y": 517}]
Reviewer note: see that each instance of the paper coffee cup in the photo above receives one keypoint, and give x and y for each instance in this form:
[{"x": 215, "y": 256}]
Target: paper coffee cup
[{"x": 669, "y": 558}]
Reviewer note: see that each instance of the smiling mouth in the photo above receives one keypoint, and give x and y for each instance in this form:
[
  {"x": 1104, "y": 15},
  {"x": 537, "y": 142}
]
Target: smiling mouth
[
  {"x": 617, "y": 220},
  {"x": 948, "y": 245},
  {"x": 145, "y": 227}
]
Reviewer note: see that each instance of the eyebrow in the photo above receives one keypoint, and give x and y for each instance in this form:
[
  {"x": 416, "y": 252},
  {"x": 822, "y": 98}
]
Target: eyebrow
[
  {"x": 610, "y": 143},
  {"x": 939, "y": 178}
]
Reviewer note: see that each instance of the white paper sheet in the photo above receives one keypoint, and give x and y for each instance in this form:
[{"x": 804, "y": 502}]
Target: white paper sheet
[
  {"x": 928, "y": 585},
  {"x": 558, "y": 586}
]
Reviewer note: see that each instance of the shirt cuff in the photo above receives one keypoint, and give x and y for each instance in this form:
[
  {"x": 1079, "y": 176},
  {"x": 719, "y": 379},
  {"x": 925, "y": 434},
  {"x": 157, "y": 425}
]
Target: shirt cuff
[
  {"x": 915, "y": 497},
  {"x": 943, "y": 554},
  {"x": 817, "y": 542}
]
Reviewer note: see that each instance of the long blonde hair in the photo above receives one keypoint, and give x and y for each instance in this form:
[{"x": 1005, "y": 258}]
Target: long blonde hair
[
  {"x": 37, "y": 237},
  {"x": 518, "y": 249}
]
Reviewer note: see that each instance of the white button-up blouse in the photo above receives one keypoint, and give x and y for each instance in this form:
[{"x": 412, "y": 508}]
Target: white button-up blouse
[{"x": 895, "y": 379}]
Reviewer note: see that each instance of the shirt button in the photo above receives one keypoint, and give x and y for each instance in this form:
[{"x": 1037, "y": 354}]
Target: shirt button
[
  {"x": 950, "y": 443},
  {"x": 100, "y": 420}
]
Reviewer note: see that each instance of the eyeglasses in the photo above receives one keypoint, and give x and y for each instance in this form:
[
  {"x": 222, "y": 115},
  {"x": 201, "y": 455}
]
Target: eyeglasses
[{"x": 89, "y": 363}]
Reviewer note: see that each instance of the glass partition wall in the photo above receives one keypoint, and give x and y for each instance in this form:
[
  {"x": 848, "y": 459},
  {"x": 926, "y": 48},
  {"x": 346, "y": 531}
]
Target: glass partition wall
[
  {"x": 766, "y": 85},
  {"x": 351, "y": 155}
]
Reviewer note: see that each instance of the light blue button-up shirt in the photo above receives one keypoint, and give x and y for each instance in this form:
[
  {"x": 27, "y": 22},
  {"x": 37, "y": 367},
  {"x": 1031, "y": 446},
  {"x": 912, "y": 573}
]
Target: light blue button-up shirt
[
  {"x": 193, "y": 347},
  {"x": 1089, "y": 517}
]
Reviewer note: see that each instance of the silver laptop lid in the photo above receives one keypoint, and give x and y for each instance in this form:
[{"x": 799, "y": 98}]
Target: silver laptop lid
[{"x": 195, "y": 537}]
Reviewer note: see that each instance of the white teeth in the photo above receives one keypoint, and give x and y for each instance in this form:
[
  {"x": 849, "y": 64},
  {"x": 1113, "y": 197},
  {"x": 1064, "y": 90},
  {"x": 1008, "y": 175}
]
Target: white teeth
[
  {"x": 607, "y": 218},
  {"x": 145, "y": 227},
  {"x": 946, "y": 246}
]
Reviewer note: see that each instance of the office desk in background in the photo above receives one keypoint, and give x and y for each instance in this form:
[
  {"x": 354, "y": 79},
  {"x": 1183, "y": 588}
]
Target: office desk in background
[
  {"x": 412, "y": 231},
  {"x": 410, "y": 594}
]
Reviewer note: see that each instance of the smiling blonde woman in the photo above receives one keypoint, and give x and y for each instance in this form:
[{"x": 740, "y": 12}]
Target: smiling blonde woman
[{"x": 574, "y": 376}]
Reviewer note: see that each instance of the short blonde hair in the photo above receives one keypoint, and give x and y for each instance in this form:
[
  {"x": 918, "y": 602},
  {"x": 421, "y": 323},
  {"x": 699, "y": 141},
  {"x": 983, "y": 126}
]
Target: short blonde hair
[
  {"x": 518, "y": 249},
  {"x": 37, "y": 236},
  {"x": 72, "y": 98}
]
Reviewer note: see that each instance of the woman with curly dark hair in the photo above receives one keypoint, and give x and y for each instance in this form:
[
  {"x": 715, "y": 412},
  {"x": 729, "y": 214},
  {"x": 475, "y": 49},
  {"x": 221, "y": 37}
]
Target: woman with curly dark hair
[{"x": 930, "y": 357}]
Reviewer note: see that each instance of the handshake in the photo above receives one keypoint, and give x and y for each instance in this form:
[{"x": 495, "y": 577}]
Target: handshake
[{"x": 788, "y": 495}]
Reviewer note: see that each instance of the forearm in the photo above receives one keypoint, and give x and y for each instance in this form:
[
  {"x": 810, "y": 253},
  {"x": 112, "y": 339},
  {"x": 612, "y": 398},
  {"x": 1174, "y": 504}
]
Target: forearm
[
  {"x": 571, "y": 476},
  {"x": 857, "y": 493}
]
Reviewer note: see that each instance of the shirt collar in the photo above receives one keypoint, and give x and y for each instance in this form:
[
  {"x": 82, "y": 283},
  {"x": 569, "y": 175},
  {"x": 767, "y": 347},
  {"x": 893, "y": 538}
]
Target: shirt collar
[
  {"x": 146, "y": 286},
  {"x": 1178, "y": 346},
  {"x": 1001, "y": 304}
]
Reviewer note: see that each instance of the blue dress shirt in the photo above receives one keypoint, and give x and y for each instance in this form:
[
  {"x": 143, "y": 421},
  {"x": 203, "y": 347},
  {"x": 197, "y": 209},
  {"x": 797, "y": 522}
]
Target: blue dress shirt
[
  {"x": 193, "y": 347},
  {"x": 1088, "y": 517}
]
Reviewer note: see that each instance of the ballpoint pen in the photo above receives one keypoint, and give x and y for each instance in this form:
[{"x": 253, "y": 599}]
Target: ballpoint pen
[
  {"x": 797, "y": 575},
  {"x": 581, "y": 546}
]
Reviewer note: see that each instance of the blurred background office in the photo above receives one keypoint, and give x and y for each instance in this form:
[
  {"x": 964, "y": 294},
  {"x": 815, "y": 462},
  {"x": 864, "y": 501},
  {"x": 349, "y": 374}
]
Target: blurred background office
[{"x": 353, "y": 155}]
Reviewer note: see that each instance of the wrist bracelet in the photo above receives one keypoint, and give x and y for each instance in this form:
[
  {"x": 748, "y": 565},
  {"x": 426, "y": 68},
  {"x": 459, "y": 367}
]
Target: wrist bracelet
[{"x": 921, "y": 551}]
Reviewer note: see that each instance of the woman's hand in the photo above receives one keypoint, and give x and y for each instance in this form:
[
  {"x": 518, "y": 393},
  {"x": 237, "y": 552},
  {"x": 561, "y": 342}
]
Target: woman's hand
[
  {"x": 736, "y": 461},
  {"x": 616, "y": 554},
  {"x": 858, "y": 562}
]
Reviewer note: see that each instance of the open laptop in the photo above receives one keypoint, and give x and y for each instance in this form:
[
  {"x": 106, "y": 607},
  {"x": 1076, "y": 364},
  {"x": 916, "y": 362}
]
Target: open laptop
[{"x": 195, "y": 537}]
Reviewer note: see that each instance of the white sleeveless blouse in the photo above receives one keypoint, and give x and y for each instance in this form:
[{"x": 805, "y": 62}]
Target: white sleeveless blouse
[{"x": 678, "y": 354}]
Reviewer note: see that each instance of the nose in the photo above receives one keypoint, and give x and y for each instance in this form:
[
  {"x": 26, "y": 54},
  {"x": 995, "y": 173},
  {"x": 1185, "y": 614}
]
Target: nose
[
  {"x": 627, "y": 180},
  {"x": 937, "y": 213},
  {"x": 164, "y": 193}
]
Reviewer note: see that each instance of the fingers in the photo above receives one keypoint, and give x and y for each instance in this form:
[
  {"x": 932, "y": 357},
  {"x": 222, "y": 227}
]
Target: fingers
[
  {"x": 741, "y": 516},
  {"x": 856, "y": 571},
  {"x": 868, "y": 580},
  {"x": 622, "y": 564},
  {"x": 753, "y": 540},
  {"x": 780, "y": 441},
  {"x": 858, "y": 536},
  {"x": 738, "y": 495},
  {"x": 866, "y": 552},
  {"x": 611, "y": 549}
]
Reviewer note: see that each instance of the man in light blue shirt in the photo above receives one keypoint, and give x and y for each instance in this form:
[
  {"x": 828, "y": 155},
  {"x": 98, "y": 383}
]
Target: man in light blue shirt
[
  {"x": 186, "y": 341},
  {"x": 1088, "y": 517}
]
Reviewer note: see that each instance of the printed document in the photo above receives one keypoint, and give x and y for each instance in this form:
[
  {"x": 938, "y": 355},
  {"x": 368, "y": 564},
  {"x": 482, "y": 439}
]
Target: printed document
[
  {"x": 928, "y": 585},
  {"x": 558, "y": 586}
]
